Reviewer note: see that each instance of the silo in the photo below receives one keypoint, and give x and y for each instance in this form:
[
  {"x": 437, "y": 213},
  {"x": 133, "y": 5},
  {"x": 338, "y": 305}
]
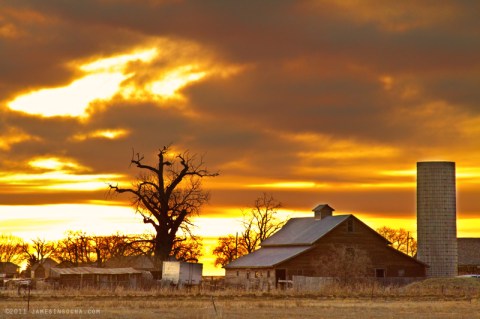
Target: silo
[{"x": 436, "y": 218}]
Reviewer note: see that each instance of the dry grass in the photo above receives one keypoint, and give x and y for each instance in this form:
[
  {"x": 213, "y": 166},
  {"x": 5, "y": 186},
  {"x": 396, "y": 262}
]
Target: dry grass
[{"x": 433, "y": 298}]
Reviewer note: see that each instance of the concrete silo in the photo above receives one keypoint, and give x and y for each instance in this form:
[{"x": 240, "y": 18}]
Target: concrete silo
[{"x": 437, "y": 218}]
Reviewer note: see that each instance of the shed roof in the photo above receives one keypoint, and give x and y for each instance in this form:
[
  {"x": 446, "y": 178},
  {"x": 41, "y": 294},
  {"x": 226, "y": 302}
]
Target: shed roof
[
  {"x": 267, "y": 257},
  {"x": 468, "y": 251},
  {"x": 8, "y": 267},
  {"x": 304, "y": 231},
  {"x": 47, "y": 262},
  {"x": 57, "y": 272}
]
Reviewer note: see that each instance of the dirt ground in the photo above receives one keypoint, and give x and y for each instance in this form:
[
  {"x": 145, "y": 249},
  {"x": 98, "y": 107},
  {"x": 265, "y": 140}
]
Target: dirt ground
[{"x": 100, "y": 307}]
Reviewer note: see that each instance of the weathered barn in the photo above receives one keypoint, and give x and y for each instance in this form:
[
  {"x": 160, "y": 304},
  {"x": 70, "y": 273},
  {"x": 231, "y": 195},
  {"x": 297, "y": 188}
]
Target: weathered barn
[
  {"x": 41, "y": 269},
  {"x": 304, "y": 245},
  {"x": 468, "y": 256},
  {"x": 81, "y": 277},
  {"x": 8, "y": 270}
]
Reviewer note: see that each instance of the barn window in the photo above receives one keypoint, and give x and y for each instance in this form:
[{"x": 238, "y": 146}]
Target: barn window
[
  {"x": 380, "y": 273},
  {"x": 350, "y": 226},
  {"x": 268, "y": 273},
  {"x": 248, "y": 275},
  {"x": 238, "y": 273},
  {"x": 258, "y": 274},
  {"x": 401, "y": 272}
]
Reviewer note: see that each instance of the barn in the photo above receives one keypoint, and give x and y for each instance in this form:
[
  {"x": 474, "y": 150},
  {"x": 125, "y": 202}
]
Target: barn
[
  {"x": 306, "y": 246},
  {"x": 468, "y": 256}
]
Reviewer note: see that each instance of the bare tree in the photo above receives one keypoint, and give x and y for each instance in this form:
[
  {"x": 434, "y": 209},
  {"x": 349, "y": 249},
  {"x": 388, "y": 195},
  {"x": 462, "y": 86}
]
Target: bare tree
[
  {"x": 38, "y": 250},
  {"x": 187, "y": 249},
  {"x": 400, "y": 239},
  {"x": 260, "y": 222},
  {"x": 228, "y": 249},
  {"x": 76, "y": 248},
  {"x": 167, "y": 195},
  {"x": 11, "y": 249}
]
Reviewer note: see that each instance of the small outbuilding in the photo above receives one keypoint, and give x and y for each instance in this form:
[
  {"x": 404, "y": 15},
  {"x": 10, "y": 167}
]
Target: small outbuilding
[
  {"x": 8, "y": 270},
  {"x": 181, "y": 273},
  {"x": 82, "y": 277},
  {"x": 468, "y": 256},
  {"x": 322, "y": 246},
  {"x": 41, "y": 269}
]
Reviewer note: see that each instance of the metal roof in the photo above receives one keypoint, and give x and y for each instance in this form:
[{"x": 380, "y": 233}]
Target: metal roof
[
  {"x": 267, "y": 257},
  {"x": 304, "y": 231},
  {"x": 468, "y": 251},
  {"x": 57, "y": 272},
  {"x": 322, "y": 206}
]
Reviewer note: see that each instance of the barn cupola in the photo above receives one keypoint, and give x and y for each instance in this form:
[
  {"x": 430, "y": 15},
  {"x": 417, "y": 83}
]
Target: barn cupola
[{"x": 322, "y": 211}]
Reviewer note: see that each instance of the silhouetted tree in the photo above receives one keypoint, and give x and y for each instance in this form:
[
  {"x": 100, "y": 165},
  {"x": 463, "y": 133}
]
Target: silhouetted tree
[
  {"x": 38, "y": 250},
  {"x": 11, "y": 249},
  {"x": 260, "y": 222},
  {"x": 228, "y": 249},
  {"x": 76, "y": 248},
  {"x": 187, "y": 249},
  {"x": 400, "y": 239},
  {"x": 167, "y": 195}
]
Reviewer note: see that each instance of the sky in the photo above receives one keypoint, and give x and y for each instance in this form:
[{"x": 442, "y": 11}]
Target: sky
[{"x": 311, "y": 101}]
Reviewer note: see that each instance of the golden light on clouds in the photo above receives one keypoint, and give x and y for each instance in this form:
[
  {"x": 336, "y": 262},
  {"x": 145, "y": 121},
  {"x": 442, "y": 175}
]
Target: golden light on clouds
[
  {"x": 53, "y": 163},
  {"x": 110, "y": 134},
  {"x": 292, "y": 184},
  {"x": 335, "y": 148},
  {"x": 29, "y": 221},
  {"x": 118, "y": 63},
  {"x": 57, "y": 174},
  {"x": 108, "y": 77},
  {"x": 71, "y": 100},
  {"x": 102, "y": 82},
  {"x": 60, "y": 180},
  {"x": 13, "y": 136},
  {"x": 168, "y": 86}
]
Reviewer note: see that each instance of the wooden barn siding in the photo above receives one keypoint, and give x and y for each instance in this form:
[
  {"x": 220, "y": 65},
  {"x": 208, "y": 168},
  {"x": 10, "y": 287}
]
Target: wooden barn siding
[
  {"x": 262, "y": 281},
  {"x": 362, "y": 238}
]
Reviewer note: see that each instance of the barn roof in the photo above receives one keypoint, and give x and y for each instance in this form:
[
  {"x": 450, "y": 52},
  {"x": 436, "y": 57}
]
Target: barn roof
[
  {"x": 57, "y": 272},
  {"x": 304, "y": 231},
  {"x": 8, "y": 267},
  {"x": 267, "y": 257},
  {"x": 468, "y": 251}
]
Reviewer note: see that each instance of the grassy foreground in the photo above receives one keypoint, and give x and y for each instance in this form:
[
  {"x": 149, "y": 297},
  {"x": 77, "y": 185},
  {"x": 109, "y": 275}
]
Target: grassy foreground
[{"x": 433, "y": 298}]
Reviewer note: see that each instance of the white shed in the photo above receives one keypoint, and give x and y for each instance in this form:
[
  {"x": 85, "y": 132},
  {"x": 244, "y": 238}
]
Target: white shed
[{"x": 182, "y": 273}]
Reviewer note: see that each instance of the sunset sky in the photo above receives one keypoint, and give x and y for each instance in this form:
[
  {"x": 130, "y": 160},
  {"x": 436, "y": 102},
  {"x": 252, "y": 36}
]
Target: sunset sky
[{"x": 312, "y": 101}]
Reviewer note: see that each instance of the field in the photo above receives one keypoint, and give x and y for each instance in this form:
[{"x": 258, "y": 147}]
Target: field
[{"x": 429, "y": 299}]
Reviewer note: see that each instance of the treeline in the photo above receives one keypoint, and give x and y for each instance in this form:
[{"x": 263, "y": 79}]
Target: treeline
[{"x": 79, "y": 248}]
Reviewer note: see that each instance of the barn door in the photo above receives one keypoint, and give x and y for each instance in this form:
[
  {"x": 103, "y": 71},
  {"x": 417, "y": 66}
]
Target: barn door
[{"x": 280, "y": 274}]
